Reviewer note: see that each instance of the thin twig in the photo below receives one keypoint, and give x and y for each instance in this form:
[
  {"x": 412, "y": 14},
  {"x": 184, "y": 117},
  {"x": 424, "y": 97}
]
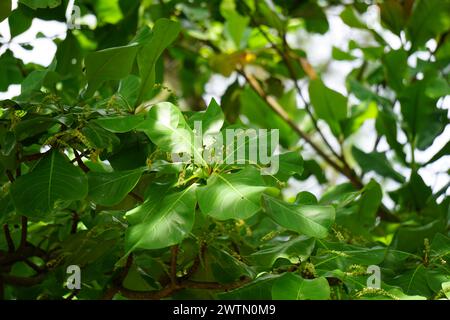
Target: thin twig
[
  {"x": 23, "y": 235},
  {"x": 9, "y": 240},
  {"x": 80, "y": 161}
]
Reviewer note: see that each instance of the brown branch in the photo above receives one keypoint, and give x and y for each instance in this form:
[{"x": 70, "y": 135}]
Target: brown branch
[
  {"x": 118, "y": 280},
  {"x": 173, "y": 264},
  {"x": 383, "y": 212},
  {"x": 32, "y": 157},
  {"x": 278, "y": 109},
  {"x": 196, "y": 264},
  {"x": 136, "y": 196},
  {"x": 23, "y": 235},
  {"x": 23, "y": 281},
  {"x": 9, "y": 240},
  {"x": 80, "y": 161},
  {"x": 34, "y": 266},
  {"x": 24, "y": 253},
  {"x": 284, "y": 56},
  {"x": 9, "y": 175},
  {"x": 83, "y": 154},
  {"x": 75, "y": 220},
  {"x": 186, "y": 284}
]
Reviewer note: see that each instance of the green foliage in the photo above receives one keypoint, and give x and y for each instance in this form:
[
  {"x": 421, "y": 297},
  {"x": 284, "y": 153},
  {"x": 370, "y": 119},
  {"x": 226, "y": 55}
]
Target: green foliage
[{"x": 93, "y": 150}]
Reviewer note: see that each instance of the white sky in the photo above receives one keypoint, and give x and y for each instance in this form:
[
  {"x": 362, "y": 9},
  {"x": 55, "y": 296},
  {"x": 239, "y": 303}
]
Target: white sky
[{"x": 318, "y": 48}]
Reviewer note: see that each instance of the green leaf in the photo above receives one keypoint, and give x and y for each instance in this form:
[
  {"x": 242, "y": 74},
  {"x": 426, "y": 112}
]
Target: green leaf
[
  {"x": 311, "y": 220},
  {"x": 291, "y": 163},
  {"x": 422, "y": 119},
  {"x": 121, "y": 124},
  {"x": 108, "y": 11},
  {"x": 270, "y": 16},
  {"x": 395, "y": 65},
  {"x": 5, "y": 9},
  {"x": 19, "y": 21},
  {"x": 367, "y": 207},
  {"x": 314, "y": 17},
  {"x": 295, "y": 250},
  {"x": 411, "y": 238},
  {"x": 109, "y": 188},
  {"x": 108, "y": 64},
  {"x": 165, "y": 32},
  {"x": 39, "y": 4},
  {"x": 328, "y": 104},
  {"x": 341, "y": 55},
  {"x": 54, "y": 178},
  {"x": 235, "y": 23},
  {"x": 224, "y": 266},
  {"x": 211, "y": 120},
  {"x": 233, "y": 195},
  {"x": 349, "y": 17},
  {"x": 413, "y": 281},
  {"x": 164, "y": 224},
  {"x": 360, "y": 113},
  {"x": 167, "y": 128},
  {"x": 10, "y": 67},
  {"x": 392, "y": 15},
  {"x": 386, "y": 125},
  {"x": 429, "y": 18},
  {"x": 32, "y": 127},
  {"x": 293, "y": 287},
  {"x": 377, "y": 162},
  {"x": 259, "y": 289},
  {"x": 334, "y": 255},
  {"x": 129, "y": 90},
  {"x": 100, "y": 138}
]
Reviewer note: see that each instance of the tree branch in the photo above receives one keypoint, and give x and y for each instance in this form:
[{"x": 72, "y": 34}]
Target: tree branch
[
  {"x": 23, "y": 235},
  {"x": 185, "y": 284},
  {"x": 9, "y": 240},
  {"x": 173, "y": 265},
  {"x": 80, "y": 161},
  {"x": 278, "y": 109}
]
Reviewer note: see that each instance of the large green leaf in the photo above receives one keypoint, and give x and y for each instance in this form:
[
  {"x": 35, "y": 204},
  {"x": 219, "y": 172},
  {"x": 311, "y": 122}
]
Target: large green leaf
[
  {"x": 392, "y": 15},
  {"x": 233, "y": 195},
  {"x": 164, "y": 224},
  {"x": 295, "y": 250},
  {"x": 291, "y": 163},
  {"x": 422, "y": 119},
  {"x": 121, "y": 124},
  {"x": 293, "y": 287},
  {"x": 54, "y": 178},
  {"x": 328, "y": 104},
  {"x": 259, "y": 289},
  {"x": 334, "y": 255},
  {"x": 429, "y": 18},
  {"x": 224, "y": 267},
  {"x": 109, "y": 188},
  {"x": 312, "y": 220},
  {"x": 108, "y": 64},
  {"x": 166, "y": 127},
  {"x": 211, "y": 120},
  {"x": 395, "y": 64},
  {"x": 376, "y": 161},
  {"x": 165, "y": 32}
]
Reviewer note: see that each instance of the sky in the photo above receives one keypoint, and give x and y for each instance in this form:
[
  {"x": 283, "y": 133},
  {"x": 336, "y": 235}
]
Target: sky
[{"x": 318, "y": 48}]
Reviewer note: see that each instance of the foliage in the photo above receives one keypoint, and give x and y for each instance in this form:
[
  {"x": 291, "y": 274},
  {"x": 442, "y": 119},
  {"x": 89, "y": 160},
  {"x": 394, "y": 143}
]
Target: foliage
[{"x": 88, "y": 176}]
